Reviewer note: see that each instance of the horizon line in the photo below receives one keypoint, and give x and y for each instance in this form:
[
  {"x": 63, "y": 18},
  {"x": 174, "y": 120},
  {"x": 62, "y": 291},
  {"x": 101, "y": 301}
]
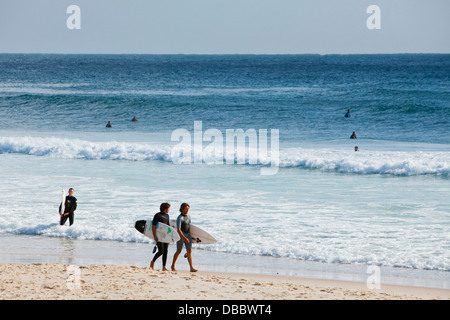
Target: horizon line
[{"x": 223, "y": 54}]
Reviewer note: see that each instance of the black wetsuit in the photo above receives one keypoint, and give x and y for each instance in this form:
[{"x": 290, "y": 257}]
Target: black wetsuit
[
  {"x": 70, "y": 206},
  {"x": 163, "y": 248}
]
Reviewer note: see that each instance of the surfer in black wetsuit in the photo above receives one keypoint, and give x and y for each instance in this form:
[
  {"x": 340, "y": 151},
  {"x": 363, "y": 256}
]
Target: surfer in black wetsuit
[
  {"x": 163, "y": 248},
  {"x": 70, "y": 206}
]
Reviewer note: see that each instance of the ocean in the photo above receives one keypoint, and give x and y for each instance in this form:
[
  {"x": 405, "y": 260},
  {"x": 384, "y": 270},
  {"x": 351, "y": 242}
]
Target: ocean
[{"x": 325, "y": 206}]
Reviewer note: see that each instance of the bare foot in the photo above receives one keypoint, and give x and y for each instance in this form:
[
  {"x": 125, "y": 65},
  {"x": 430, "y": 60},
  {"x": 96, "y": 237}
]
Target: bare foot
[
  {"x": 152, "y": 264},
  {"x": 193, "y": 270},
  {"x": 165, "y": 269}
]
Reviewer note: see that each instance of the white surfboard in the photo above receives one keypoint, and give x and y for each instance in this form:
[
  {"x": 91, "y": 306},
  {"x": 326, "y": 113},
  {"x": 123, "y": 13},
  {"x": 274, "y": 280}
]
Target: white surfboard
[
  {"x": 165, "y": 233},
  {"x": 63, "y": 202},
  {"x": 199, "y": 236}
]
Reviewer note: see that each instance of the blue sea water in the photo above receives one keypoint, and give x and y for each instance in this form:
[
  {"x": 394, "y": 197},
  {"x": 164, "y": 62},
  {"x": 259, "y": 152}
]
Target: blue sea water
[{"x": 385, "y": 205}]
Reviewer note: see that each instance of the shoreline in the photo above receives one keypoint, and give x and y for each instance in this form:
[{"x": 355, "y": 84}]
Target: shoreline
[
  {"x": 36, "y": 267},
  {"x": 29, "y": 249},
  {"x": 50, "y": 281}
]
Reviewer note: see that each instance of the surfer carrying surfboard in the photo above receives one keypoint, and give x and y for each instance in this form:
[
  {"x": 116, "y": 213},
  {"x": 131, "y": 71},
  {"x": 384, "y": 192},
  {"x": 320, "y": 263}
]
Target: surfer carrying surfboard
[
  {"x": 163, "y": 248},
  {"x": 183, "y": 229},
  {"x": 70, "y": 205}
]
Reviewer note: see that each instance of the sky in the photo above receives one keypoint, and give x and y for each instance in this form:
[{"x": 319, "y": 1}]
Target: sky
[{"x": 225, "y": 26}]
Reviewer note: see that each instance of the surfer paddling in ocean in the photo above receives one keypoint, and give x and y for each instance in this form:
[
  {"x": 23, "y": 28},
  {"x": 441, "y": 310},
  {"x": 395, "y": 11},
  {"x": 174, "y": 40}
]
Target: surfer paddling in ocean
[
  {"x": 163, "y": 248},
  {"x": 70, "y": 205},
  {"x": 183, "y": 228}
]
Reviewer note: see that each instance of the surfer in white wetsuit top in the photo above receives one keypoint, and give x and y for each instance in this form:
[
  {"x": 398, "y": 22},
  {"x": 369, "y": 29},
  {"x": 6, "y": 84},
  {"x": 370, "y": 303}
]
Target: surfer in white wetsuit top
[{"x": 183, "y": 229}]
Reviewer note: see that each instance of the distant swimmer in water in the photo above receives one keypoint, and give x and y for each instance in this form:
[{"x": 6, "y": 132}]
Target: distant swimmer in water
[
  {"x": 108, "y": 125},
  {"x": 356, "y": 148},
  {"x": 347, "y": 115},
  {"x": 134, "y": 119},
  {"x": 353, "y": 136}
]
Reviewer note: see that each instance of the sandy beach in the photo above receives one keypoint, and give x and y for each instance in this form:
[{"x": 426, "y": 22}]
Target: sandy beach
[{"x": 50, "y": 281}]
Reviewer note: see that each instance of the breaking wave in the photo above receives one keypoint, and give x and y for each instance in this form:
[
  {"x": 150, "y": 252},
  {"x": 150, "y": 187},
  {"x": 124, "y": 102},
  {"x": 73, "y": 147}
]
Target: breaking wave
[{"x": 407, "y": 163}]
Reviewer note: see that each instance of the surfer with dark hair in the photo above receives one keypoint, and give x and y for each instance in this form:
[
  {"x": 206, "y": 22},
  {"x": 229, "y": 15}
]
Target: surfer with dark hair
[
  {"x": 163, "y": 248},
  {"x": 183, "y": 229},
  {"x": 70, "y": 205}
]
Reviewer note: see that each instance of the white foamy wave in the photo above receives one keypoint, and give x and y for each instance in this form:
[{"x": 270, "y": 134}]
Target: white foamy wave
[
  {"x": 82, "y": 232},
  {"x": 84, "y": 88},
  {"x": 408, "y": 163},
  {"x": 354, "y": 253},
  {"x": 80, "y": 149},
  {"x": 351, "y": 255},
  {"x": 370, "y": 162}
]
